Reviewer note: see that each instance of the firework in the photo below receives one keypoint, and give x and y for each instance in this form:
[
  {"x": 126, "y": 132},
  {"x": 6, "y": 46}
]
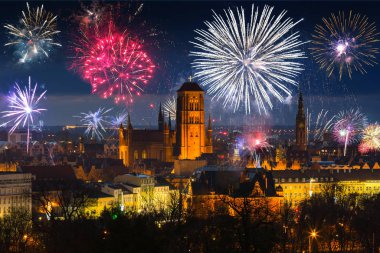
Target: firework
[
  {"x": 348, "y": 127},
  {"x": 253, "y": 142},
  {"x": 371, "y": 139},
  {"x": 118, "y": 119},
  {"x": 345, "y": 42},
  {"x": 115, "y": 65},
  {"x": 92, "y": 15},
  {"x": 23, "y": 108},
  {"x": 95, "y": 123},
  {"x": 239, "y": 61},
  {"x": 322, "y": 124},
  {"x": 34, "y": 37},
  {"x": 170, "y": 107}
]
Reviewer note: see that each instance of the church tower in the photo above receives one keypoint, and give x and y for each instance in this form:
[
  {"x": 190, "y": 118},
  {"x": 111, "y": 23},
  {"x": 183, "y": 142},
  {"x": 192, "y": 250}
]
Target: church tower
[
  {"x": 190, "y": 123},
  {"x": 125, "y": 136},
  {"x": 301, "y": 130}
]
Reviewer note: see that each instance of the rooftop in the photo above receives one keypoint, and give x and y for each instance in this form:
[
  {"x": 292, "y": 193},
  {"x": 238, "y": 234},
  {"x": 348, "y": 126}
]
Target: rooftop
[{"x": 190, "y": 86}]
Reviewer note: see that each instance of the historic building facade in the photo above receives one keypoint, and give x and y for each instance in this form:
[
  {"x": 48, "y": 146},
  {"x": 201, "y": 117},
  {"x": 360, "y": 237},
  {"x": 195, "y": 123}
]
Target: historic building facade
[{"x": 189, "y": 140}]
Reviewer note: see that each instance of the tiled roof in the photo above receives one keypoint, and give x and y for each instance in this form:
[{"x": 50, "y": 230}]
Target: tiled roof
[
  {"x": 342, "y": 175},
  {"x": 190, "y": 86},
  {"x": 58, "y": 172}
]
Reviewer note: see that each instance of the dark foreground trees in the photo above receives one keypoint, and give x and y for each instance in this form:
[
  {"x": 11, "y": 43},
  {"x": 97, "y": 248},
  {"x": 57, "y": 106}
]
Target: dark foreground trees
[{"x": 341, "y": 224}]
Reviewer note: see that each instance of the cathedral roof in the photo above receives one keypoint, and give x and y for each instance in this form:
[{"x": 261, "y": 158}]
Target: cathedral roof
[{"x": 190, "y": 86}]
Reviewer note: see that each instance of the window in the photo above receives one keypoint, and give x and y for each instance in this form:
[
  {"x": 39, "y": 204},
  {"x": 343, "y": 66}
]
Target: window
[
  {"x": 136, "y": 155},
  {"x": 144, "y": 154}
]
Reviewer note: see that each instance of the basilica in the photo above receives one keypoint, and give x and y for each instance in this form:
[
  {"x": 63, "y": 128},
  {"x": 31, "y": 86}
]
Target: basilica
[{"x": 188, "y": 140}]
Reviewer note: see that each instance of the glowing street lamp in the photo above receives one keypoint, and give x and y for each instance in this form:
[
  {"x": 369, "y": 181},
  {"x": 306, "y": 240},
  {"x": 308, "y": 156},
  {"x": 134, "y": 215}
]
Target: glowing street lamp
[
  {"x": 312, "y": 235},
  {"x": 310, "y": 187}
]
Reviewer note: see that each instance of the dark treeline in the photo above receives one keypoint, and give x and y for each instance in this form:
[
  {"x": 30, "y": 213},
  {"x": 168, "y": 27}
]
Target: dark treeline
[{"x": 327, "y": 222}]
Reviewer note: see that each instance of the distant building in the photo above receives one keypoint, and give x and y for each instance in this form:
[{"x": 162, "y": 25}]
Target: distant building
[
  {"x": 18, "y": 136},
  {"x": 15, "y": 192},
  {"x": 216, "y": 189},
  {"x": 141, "y": 193}
]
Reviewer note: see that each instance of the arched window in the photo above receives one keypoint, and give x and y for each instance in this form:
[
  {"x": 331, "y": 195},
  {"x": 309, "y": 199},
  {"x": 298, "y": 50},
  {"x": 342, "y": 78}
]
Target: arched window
[
  {"x": 136, "y": 155},
  {"x": 144, "y": 154}
]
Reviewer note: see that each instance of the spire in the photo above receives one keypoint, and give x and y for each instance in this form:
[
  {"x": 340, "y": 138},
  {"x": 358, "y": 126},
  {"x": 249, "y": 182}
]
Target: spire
[
  {"x": 129, "y": 125},
  {"x": 300, "y": 103},
  {"x": 209, "y": 127},
  {"x": 170, "y": 121},
  {"x": 160, "y": 119}
]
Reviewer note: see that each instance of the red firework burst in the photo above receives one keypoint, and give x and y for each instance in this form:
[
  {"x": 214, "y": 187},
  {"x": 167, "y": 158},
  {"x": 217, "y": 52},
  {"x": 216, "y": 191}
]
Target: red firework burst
[{"x": 115, "y": 65}]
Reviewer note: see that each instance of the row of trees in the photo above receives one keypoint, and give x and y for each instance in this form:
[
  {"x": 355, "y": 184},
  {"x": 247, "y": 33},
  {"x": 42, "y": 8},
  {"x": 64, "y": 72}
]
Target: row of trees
[{"x": 327, "y": 222}]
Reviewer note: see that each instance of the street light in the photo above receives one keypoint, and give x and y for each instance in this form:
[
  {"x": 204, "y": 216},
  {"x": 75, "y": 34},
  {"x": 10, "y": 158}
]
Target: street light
[
  {"x": 312, "y": 235},
  {"x": 310, "y": 187}
]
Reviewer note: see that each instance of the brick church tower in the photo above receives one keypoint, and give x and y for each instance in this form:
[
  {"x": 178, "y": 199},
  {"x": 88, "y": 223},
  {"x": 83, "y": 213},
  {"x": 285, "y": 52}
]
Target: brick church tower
[{"x": 192, "y": 139}]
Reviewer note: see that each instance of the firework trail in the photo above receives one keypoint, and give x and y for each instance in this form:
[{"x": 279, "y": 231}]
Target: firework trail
[
  {"x": 95, "y": 123},
  {"x": 91, "y": 16},
  {"x": 240, "y": 60},
  {"x": 348, "y": 127},
  {"x": 371, "y": 139},
  {"x": 34, "y": 37},
  {"x": 170, "y": 107},
  {"x": 345, "y": 42},
  {"x": 23, "y": 108},
  {"x": 322, "y": 124},
  {"x": 118, "y": 119}
]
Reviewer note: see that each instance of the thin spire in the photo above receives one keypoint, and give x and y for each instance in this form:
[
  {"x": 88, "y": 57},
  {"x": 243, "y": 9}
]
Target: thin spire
[
  {"x": 129, "y": 124},
  {"x": 170, "y": 121},
  {"x": 209, "y": 122},
  {"x": 161, "y": 120}
]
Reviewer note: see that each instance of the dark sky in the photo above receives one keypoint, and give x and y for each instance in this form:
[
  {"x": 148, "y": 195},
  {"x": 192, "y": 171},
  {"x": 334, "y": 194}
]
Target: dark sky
[{"x": 68, "y": 95}]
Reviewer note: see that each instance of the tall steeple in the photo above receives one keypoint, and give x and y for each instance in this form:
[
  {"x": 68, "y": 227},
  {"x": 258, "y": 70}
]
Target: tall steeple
[
  {"x": 301, "y": 130},
  {"x": 208, "y": 147},
  {"x": 160, "y": 119},
  {"x": 170, "y": 122},
  {"x": 209, "y": 127},
  {"x": 300, "y": 104},
  {"x": 129, "y": 124}
]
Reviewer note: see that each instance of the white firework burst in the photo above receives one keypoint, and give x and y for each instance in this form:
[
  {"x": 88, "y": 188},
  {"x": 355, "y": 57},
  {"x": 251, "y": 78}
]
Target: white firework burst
[
  {"x": 95, "y": 123},
  {"x": 242, "y": 60},
  {"x": 118, "y": 119},
  {"x": 323, "y": 124},
  {"x": 22, "y": 108},
  {"x": 170, "y": 107},
  {"x": 34, "y": 37}
]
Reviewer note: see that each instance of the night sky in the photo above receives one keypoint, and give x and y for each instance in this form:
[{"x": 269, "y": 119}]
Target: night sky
[{"x": 68, "y": 94}]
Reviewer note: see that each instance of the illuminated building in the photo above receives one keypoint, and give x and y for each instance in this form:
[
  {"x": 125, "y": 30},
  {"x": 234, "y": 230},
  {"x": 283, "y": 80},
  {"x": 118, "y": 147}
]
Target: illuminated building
[
  {"x": 298, "y": 185},
  {"x": 98, "y": 203},
  {"x": 192, "y": 139},
  {"x": 188, "y": 141},
  {"x": 15, "y": 192},
  {"x": 225, "y": 190},
  {"x": 138, "y": 192}
]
